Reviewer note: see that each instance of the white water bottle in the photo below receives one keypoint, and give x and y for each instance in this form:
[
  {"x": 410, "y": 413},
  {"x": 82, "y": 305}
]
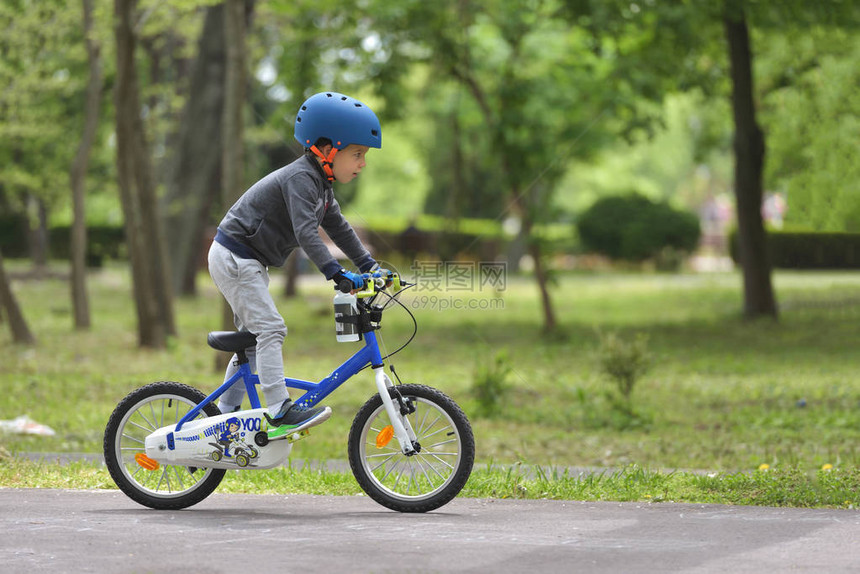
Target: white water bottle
[{"x": 346, "y": 307}]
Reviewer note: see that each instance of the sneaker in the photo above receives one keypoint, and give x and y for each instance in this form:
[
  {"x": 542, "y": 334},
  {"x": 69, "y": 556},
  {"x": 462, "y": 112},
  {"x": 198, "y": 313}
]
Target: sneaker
[{"x": 292, "y": 418}]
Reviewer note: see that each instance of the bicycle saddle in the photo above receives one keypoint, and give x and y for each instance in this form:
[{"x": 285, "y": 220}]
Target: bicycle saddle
[{"x": 231, "y": 341}]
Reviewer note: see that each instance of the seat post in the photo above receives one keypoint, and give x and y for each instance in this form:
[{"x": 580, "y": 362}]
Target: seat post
[{"x": 241, "y": 357}]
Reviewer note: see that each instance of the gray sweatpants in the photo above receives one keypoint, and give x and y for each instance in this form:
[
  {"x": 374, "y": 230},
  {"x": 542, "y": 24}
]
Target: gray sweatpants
[{"x": 245, "y": 285}]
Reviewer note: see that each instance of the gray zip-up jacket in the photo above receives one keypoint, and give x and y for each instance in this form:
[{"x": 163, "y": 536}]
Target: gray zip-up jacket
[{"x": 283, "y": 211}]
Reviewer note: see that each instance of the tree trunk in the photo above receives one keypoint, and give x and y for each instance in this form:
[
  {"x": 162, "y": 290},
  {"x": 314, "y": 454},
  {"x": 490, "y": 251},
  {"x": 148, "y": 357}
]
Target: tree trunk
[
  {"x": 37, "y": 222},
  {"x": 195, "y": 181},
  {"x": 291, "y": 287},
  {"x": 534, "y": 249},
  {"x": 20, "y": 332},
  {"x": 80, "y": 301},
  {"x": 749, "y": 148},
  {"x": 147, "y": 251},
  {"x": 232, "y": 142}
]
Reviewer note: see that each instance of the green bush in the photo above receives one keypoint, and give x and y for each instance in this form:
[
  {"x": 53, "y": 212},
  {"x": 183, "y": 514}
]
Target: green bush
[
  {"x": 808, "y": 249},
  {"x": 13, "y": 235},
  {"x": 624, "y": 361},
  {"x": 634, "y": 228},
  {"x": 103, "y": 242},
  {"x": 490, "y": 385}
]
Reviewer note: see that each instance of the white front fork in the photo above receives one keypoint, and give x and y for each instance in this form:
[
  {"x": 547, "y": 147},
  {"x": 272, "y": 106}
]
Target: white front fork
[{"x": 402, "y": 429}]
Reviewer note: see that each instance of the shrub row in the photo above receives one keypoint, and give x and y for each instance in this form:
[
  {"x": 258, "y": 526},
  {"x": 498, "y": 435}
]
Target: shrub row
[
  {"x": 808, "y": 249},
  {"x": 103, "y": 241}
]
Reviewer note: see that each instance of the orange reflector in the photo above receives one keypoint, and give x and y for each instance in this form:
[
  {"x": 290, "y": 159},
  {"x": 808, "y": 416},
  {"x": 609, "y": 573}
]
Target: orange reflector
[
  {"x": 384, "y": 436},
  {"x": 146, "y": 462}
]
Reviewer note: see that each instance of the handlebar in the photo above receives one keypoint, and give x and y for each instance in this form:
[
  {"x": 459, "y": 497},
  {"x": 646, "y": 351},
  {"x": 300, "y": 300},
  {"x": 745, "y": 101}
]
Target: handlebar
[{"x": 373, "y": 283}]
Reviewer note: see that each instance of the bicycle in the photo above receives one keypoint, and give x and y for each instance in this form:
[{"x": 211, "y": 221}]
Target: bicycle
[{"x": 411, "y": 448}]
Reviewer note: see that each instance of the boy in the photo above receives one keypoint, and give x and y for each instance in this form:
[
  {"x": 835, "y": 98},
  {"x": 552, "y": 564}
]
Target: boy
[{"x": 276, "y": 215}]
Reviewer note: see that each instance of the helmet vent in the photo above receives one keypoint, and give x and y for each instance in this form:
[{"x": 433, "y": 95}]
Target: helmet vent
[
  {"x": 374, "y": 133},
  {"x": 343, "y": 98},
  {"x": 298, "y": 120},
  {"x": 304, "y": 108},
  {"x": 358, "y": 105},
  {"x": 329, "y": 96}
]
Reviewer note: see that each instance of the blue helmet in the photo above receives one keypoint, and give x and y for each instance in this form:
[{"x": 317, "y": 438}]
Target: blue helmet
[
  {"x": 233, "y": 421},
  {"x": 341, "y": 119}
]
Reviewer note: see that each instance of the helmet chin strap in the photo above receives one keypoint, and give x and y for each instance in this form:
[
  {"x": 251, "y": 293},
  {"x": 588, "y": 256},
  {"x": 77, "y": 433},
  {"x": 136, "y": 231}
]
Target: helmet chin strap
[{"x": 327, "y": 160}]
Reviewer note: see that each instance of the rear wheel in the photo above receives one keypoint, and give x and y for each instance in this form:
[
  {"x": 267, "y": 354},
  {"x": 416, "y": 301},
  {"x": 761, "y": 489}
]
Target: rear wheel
[
  {"x": 163, "y": 487},
  {"x": 427, "y": 479}
]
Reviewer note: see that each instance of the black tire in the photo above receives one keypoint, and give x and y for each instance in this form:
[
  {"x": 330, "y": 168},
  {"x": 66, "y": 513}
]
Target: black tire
[
  {"x": 170, "y": 487},
  {"x": 437, "y": 473}
]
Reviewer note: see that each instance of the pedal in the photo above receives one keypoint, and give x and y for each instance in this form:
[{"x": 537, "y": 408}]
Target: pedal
[{"x": 292, "y": 437}]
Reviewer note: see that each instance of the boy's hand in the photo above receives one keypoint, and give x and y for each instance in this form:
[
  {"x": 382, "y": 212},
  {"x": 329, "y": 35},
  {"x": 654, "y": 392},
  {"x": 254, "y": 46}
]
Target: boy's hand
[{"x": 356, "y": 280}]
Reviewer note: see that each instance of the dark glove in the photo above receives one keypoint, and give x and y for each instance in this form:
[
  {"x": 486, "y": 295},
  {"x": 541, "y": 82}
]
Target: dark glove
[{"x": 356, "y": 280}]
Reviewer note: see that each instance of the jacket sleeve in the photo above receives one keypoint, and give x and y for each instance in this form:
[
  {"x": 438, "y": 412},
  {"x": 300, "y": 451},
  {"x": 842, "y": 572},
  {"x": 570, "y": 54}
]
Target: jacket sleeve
[
  {"x": 344, "y": 236},
  {"x": 302, "y": 196}
]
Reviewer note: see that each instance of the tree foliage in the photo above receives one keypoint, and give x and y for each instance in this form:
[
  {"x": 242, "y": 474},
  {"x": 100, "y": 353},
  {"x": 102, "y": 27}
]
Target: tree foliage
[
  {"x": 811, "y": 109},
  {"x": 504, "y": 98},
  {"x": 43, "y": 70}
]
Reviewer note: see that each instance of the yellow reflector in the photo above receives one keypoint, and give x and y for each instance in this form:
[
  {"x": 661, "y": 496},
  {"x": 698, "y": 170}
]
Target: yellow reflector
[
  {"x": 384, "y": 436},
  {"x": 146, "y": 462}
]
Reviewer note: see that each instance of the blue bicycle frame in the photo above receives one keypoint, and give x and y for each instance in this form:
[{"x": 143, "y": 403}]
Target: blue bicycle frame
[{"x": 314, "y": 392}]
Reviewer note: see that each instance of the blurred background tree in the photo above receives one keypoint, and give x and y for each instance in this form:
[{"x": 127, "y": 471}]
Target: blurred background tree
[{"x": 518, "y": 112}]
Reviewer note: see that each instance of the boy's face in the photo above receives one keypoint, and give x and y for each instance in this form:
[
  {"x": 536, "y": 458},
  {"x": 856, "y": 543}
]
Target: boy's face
[{"x": 349, "y": 162}]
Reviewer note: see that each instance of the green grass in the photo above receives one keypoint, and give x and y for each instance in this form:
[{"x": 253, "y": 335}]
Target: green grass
[
  {"x": 722, "y": 393},
  {"x": 836, "y": 488}
]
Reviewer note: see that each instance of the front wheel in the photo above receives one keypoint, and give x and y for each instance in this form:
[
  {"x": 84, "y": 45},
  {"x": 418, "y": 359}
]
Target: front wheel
[
  {"x": 163, "y": 487},
  {"x": 427, "y": 479}
]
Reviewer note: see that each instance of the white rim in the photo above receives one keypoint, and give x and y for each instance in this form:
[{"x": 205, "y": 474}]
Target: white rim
[
  {"x": 149, "y": 414},
  {"x": 434, "y": 467}
]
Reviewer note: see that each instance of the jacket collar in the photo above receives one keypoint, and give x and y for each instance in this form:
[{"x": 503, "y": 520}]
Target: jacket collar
[{"x": 317, "y": 169}]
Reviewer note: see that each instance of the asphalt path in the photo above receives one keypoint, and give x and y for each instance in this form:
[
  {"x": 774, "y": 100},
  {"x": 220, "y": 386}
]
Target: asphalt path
[{"x": 45, "y": 530}]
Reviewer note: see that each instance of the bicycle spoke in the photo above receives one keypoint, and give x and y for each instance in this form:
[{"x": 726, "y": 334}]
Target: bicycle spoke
[
  {"x": 129, "y": 437},
  {"x": 394, "y": 466},
  {"x": 179, "y": 477},
  {"x": 427, "y": 476},
  {"x": 441, "y": 443},
  {"x": 166, "y": 478},
  {"x": 391, "y": 452},
  {"x": 150, "y": 423},
  {"x": 382, "y": 463},
  {"x": 431, "y": 425},
  {"x": 141, "y": 427},
  {"x": 423, "y": 420},
  {"x": 411, "y": 474},
  {"x": 425, "y": 437},
  {"x": 433, "y": 468},
  {"x": 433, "y": 454},
  {"x": 152, "y": 412},
  {"x": 399, "y": 475}
]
